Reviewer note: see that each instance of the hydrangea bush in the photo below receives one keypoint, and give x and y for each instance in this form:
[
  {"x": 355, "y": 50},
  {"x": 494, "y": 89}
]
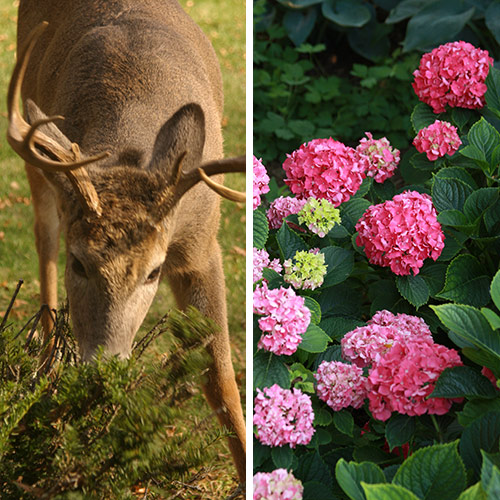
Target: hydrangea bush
[{"x": 377, "y": 298}]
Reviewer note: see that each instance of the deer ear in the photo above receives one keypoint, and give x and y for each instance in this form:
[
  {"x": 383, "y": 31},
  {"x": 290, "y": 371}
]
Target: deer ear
[{"x": 182, "y": 135}]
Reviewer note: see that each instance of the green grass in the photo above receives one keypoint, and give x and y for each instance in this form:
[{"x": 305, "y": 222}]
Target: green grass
[{"x": 18, "y": 260}]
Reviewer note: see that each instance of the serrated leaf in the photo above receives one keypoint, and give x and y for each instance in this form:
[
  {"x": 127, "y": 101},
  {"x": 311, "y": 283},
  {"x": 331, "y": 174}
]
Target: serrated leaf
[
  {"x": 260, "y": 229},
  {"x": 399, "y": 430},
  {"x": 449, "y": 194},
  {"x": 473, "y": 493},
  {"x": 351, "y": 211},
  {"x": 433, "y": 472},
  {"x": 492, "y": 317},
  {"x": 340, "y": 263},
  {"x": 349, "y": 476},
  {"x": 434, "y": 274},
  {"x": 492, "y": 82},
  {"x": 475, "y": 409},
  {"x": 485, "y": 138},
  {"x": 414, "y": 289},
  {"x": 387, "y": 492},
  {"x": 343, "y": 421},
  {"x": 452, "y": 218},
  {"x": 463, "y": 381},
  {"x": 322, "y": 417},
  {"x": 466, "y": 282},
  {"x": 289, "y": 242},
  {"x": 314, "y": 490},
  {"x": 282, "y": 456},
  {"x": 457, "y": 173},
  {"x": 490, "y": 474},
  {"x": 315, "y": 309},
  {"x": 269, "y": 369},
  {"x": 313, "y": 468},
  {"x": 337, "y": 326},
  {"x": 479, "y": 201},
  {"x": 422, "y": 116},
  {"x": 495, "y": 289},
  {"x": 314, "y": 339}
]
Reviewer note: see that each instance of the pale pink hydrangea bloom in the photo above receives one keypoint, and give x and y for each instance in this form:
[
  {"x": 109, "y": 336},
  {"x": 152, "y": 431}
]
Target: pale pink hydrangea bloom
[
  {"x": 383, "y": 159},
  {"x": 285, "y": 319},
  {"x": 340, "y": 385},
  {"x": 260, "y": 181},
  {"x": 277, "y": 485},
  {"x": 282, "y": 207},
  {"x": 325, "y": 168},
  {"x": 402, "y": 379},
  {"x": 260, "y": 261},
  {"x": 453, "y": 74},
  {"x": 437, "y": 140},
  {"x": 283, "y": 416},
  {"x": 364, "y": 345},
  {"x": 401, "y": 233}
]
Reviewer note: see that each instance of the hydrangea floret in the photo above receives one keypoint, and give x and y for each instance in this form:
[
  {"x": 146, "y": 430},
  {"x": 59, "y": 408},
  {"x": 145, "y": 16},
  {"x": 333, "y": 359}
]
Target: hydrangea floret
[
  {"x": 260, "y": 181},
  {"x": 320, "y": 216},
  {"x": 453, "y": 75},
  {"x": 325, "y": 168},
  {"x": 306, "y": 270},
  {"x": 277, "y": 485},
  {"x": 401, "y": 233},
  {"x": 340, "y": 385},
  {"x": 438, "y": 139},
  {"x": 383, "y": 159},
  {"x": 283, "y": 416},
  {"x": 284, "y": 319},
  {"x": 282, "y": 207},
  {"x": 261, "y": 260}
]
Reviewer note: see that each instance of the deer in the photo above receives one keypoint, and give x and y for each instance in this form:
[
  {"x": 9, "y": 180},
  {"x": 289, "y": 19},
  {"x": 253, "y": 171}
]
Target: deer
[{"x": 122, "y": 143}]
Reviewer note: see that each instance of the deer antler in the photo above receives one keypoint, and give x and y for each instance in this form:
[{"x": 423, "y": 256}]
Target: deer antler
[{"x": 27, "y": 140}]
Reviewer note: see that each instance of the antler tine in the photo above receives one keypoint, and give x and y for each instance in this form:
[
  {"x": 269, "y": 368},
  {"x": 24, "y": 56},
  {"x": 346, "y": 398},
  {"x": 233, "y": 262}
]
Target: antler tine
[
  {"x": 22, "y": 136},
  {"x": 225, "y": 192}
]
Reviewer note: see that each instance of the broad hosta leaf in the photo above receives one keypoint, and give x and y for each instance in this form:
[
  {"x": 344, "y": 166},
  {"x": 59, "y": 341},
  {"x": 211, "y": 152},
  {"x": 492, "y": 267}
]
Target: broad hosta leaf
[
  {"x": 399, "y": 430},
  {"x": 482, "y": 434},
  {"x": 260, "y": 229},
  {"x": 414, "y": 289},
  {"x": 405, "y": 9},
  {"x": 463, "y": 381},
  {"x": 352, "y": 14},
  {"x": 282, "y": 456},
  {"x": 299, "y": 4},
  {"x": 289, "y": 242},
  {"x": 340, "y": 263},
  {"x": 495, "y": 289},
  {"x": 269, "y": 369},
  {"x": 387, "y": 492},
  {"x": 343, "y": 421},
  {"x": 433, "y": 472},
  {"x": 350, "y": 474},
  {"x": 466, "y": 282},
  {"x": 449, "y": 194},
  {"x": 314, "y": 339},
  {"x": 299, "y": 24},
  {"x": 422, "y": 116}
]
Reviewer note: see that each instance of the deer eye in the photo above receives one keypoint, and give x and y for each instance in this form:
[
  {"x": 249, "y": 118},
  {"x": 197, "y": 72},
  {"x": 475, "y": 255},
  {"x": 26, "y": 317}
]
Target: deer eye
[
  {"x": 154, "y": 275},
  {"x": 78, "y": 268}
]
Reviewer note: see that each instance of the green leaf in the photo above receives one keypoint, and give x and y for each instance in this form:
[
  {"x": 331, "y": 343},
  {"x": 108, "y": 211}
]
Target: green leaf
[
  {"x": 299, "y": 24},
  {"x": 457, "y": 173},
  {"x": 337, "y": 326},
  {"x": 350, "y": 474},
  {"x": 313, "y": 468},
  {"x": 274, "y": 279},
  {"x": 314, "y": 339},
  {"x": 466, "y": 282},
  {"x": 434, "y": 275},
  {"x": 475, "y": 409},
  {"x": 492, "y": 81},
  {"x": 490, "y": 473},
  {"x": 485, "y": 138},
  {"x": 479, "y": 201},
  {"x": 322, "y": 417},
  {"x": 405, "y": 9},
  {"x": 399, "y": 430},
  {"x": 260, "y": 452},
  {"x": 449, "y": 194},
  {"x": 340, "y": 263},
  {"x": 315, "y": 309},
  {"x": 351, "y": 14},
  {"x": 343, "y": 421},
  {"x": 495, "y": 289},
  {"x": 414, "y": 289},
  {"x": 475, "y": 492},
  {"x": 314, "y": 490},
  {"x": 351, "y": 211},
  {"x": 433, "y": 472},
  {"x": 492, "y": 317},
  {"x": 268, "y": 369},
  {"x": 482, "y": 434},
  {"x": 260, "y": 229},
  {"x": 452, "y": 218},
  {"x": 422, "y": 116},
  {"x": 462, "y": 116},
  {"x": 387, "y": 492},
  {"x": 289, "y": 242},
  {"x": 463, "y": 381},
  {"x": 282, "y": 456}
]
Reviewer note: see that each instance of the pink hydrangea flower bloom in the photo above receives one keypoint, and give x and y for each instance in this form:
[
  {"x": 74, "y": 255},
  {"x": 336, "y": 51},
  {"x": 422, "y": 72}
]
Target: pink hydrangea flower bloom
[
  {"x": 490, "y": 376},
  {"x": 402, "y": 379},
  {"x": 325, "y": 168},
  {"x": 401, "y": 233},
  {"x": 282, "y": 207},
  {"x": 452, "y": 74},
  {"x": 437, "y": 140},
  {"x": 382, "y": 158},
  {"x": 277, "y": 485},
  {"x": 260, "y": 261},
  {"x": 260, "y": 181},
  {"x": 285, "y": 319},
  {"x": 283, "y": 416},
  {"x": 340, "y": 385}
]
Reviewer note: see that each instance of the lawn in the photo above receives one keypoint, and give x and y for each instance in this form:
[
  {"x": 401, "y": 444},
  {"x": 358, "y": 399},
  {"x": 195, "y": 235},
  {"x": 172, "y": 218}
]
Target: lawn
[{"x": 18, "y": 260}]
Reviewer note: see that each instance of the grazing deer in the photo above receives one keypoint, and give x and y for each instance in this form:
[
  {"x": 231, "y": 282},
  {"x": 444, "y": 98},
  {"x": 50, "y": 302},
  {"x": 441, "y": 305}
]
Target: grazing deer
[{"x": 140, "y": 90}]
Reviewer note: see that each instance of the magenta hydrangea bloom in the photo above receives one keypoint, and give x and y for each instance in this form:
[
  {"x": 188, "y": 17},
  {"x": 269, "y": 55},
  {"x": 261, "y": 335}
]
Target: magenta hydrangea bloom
[
  {"x": 260, "y": 181},
  {"x": 401, "y": 233},
  {"x": 340, "y": 385},
  {"x": 285, "y": 319},
  {"x": 283, "y": 416},
  {"x": 403, "y": 378},
  {"x": 452, "y": 74},
  {"x": 260, "y": 261},
  {"x": 437, "y": 140},
  {"x": 282, "y": 207},
  {"x": 277, "y": 485},
  {"x": 325, "y": 168},
  {"x": 383, "y": 159}
]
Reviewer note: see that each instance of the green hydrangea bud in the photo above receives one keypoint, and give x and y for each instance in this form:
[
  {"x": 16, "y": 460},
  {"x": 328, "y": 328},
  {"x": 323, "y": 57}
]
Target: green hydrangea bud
[
  {"x": 305, "y": 269},
  {"x": 319, "y": 216}
]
